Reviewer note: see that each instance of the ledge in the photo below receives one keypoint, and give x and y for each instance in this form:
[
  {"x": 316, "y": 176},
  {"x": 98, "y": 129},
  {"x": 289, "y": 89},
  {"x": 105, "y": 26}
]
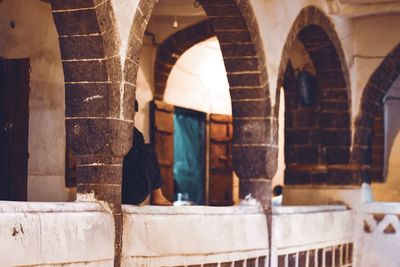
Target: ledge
[
  {"x": 281, "y": 210},
  {"x": 33, "y": 207},
  {"x": 192, "y": 210},
  {"x": 381, "y": 207}
]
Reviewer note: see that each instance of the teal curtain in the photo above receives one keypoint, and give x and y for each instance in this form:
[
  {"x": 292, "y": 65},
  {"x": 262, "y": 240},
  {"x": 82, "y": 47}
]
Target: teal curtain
[{"x": 189, "y": 154}]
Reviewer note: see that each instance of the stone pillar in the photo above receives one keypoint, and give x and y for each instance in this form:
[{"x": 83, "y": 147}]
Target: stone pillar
[{"x": 96, "y": 132}]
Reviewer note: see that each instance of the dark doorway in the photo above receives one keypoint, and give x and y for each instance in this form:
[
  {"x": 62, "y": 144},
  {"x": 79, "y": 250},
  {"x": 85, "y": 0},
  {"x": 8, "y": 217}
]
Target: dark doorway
[
  {"x": 14, "y": 119},
  {"x": 189, "y": 153}
]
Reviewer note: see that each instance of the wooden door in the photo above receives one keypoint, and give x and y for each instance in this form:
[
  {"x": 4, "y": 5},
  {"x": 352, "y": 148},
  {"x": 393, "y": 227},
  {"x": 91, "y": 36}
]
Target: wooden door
[
  {"x": 14, "y": 119},
  {"x": 220, "y": 160},
  {"x": 162, "y": 136}
]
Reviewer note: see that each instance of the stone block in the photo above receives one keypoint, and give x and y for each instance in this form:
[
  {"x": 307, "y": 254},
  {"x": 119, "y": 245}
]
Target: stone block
[
  {"x": 319, "y": 177},
  {"x": 100, "y": 174},
  {"x": 248, "y": 93},
  {"x": 114, "y": 71},
  {"x": 295, "y": 177},
  {"x": 343, "y": 177},
  {"x": 247, "y": 109},
  {"x": 251, "y": 131},
  {"x": 134, "y": 47},
  {"x": 237, "y": 50},
  {"x": 79, "y": 22},
  {"x": 229, "y": 37},
  {"x": 361, "y": 155},
  {"x": 249, "y": 161},
  {"x": 129, "y": 100},
  {"x": 241, "y": 64},
  {"x": 305, "y": 118},
  {"x": 244, "y": 79},
  {"x": 210, "y": 3},
  {"x": 81, "y": 47},
  {"x": 308, "y": 154},
  {"x": 335, "y": 120},
  {"x": 300, "y": 137},
  {"x": 227, "y": 23},
  {"x": 334, "y": 154},
  {"x": 73, "y": 4},
  {"x": 131, "y": 70},
  {"x": 111, "y": 42},
  {"x": 336, "y": 137},
  {"x": 85, "y": 71},
  {"x": 334, "y": 95},
  {"x": 99, "y": 136},
  {"x": 92, "y": 100},
  {"x": 105, "y": 16},
  {"x": 217, "y": 11}
]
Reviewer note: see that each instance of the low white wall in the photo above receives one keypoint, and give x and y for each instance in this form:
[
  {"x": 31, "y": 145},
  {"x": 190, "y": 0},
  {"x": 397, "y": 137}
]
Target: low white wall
[
  {"x": 379, "y": 235},
  {"x": 67, "y": 234},
  {"x": 306, "y": 229},
  {"x": 170, "y": 236},
  {"x": 322, "y": 195}
]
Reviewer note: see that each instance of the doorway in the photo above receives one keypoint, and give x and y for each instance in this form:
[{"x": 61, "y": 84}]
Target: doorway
[
  {"x": 189, "y": 153},
  {"x": 14, "y": 121}
]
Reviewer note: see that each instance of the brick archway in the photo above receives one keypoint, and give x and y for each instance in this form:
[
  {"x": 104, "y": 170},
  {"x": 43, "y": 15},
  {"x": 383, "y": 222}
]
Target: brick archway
[
  {"x": 173, "y": 47},
  {"x": 95, "y": 130},
  {"x": 317, "y": 138},
  {"x": 368, "y": 138},
  {"x": 234, "y": 24}
]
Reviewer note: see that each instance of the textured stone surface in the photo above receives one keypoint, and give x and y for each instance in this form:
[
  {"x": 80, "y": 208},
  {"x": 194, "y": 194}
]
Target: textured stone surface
[
  {"x": 80, "y": 22},
  {"x": 249, "y": 161},
  {"x": 92, "y": 100},
  {"x": 81, "y": 47},
  {"x": 85, "y": 71}
]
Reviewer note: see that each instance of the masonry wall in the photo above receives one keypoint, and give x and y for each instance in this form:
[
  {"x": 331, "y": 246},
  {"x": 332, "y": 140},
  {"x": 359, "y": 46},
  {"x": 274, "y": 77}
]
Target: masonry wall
[
  {"x": 34, "y": 36},
  {"x": 361, "y": 39}
]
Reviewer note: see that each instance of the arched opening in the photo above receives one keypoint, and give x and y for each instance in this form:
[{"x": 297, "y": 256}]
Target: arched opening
[
  {"x": 248, "y": 87},
  {"x": 317, "y": 116},
  {"x": 198, "y": 90},
  {"x": 376, "y": 129}
]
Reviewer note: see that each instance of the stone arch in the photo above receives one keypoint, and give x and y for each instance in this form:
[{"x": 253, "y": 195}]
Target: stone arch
[
  {"x": 95, "y": 130},
  {"x": 317, "y": 148},
  {"x": 172, "y": 48},
  {"x": 368, "y": 137},
  {"x": 234, "y": 24}
]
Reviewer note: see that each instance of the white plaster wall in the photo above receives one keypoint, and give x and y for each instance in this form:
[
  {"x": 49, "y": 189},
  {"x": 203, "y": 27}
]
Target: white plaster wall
[
  {"x": 300, "y": 228},
  {"x": 390, "y": 190},
  {"x": 161, "y": 236},
  {"x": 378, "y": 249},
  {"x": 375, "y": 37},
  {"x": 35, "y": 37},
  {"x": 67, "y": 234}
]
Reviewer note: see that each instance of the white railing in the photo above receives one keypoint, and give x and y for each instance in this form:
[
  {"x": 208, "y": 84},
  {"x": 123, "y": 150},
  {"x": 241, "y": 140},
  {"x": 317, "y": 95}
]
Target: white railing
[
  {"x": 379, "y": 235},
  {"x": 56, "y": 234},
  {"x": 194, "y": 235},
  {"x": 312, "y": 236}
]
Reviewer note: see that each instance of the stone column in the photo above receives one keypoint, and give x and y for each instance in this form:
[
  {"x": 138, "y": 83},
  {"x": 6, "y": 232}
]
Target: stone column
[{"x": 96, "y": 132}]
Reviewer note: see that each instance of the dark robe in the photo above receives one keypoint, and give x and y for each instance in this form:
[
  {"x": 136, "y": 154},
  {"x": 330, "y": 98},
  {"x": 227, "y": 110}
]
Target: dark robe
[{"x": 140, "y": 171}]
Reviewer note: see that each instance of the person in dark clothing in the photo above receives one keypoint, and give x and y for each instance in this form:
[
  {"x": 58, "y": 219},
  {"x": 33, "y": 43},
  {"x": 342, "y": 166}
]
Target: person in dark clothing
[{"x": 141, "y": 173}]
